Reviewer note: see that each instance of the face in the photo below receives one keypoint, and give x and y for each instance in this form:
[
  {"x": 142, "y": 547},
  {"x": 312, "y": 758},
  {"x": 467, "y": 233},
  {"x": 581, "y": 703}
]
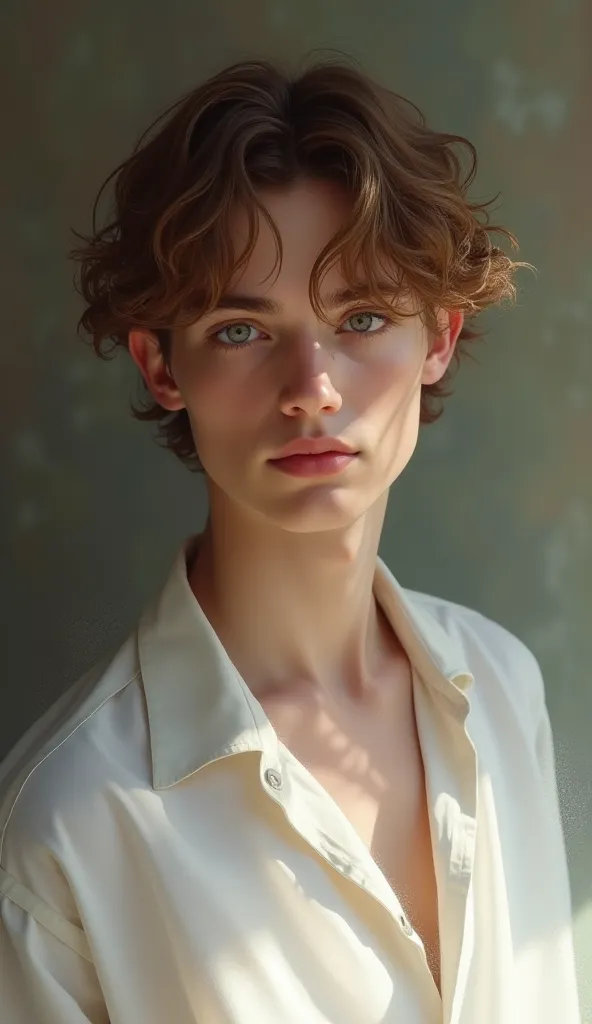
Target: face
[{"x": 253, "y": 381}]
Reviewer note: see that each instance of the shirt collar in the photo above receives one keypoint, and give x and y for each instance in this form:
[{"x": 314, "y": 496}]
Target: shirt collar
[{"x": 199, "y": 707}]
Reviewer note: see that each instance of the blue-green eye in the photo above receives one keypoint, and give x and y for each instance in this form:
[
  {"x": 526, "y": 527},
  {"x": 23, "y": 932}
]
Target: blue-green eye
[
  {"x": 367, "y": 315},
  {"x": 241, "y": 335},
  {"x": 237, "y": 334}
]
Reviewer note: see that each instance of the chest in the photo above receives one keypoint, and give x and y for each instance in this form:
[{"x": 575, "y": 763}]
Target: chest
[{"x": 369, "y": 762}]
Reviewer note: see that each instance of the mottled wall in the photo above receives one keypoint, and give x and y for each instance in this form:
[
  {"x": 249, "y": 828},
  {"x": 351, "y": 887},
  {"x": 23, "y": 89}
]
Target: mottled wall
[{"x": 494, "y": 510}]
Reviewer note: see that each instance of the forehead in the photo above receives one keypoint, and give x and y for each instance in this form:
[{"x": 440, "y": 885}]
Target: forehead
[{"x": 307, "y": 216}]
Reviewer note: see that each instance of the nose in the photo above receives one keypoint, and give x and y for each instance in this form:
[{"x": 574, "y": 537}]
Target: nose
[
  {"x": 309, "y": 389},
  {"x": 318, "y": 397}
]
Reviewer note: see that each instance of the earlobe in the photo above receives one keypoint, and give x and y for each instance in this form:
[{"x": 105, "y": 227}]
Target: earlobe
[
  {"x": 164, "y": 388},
  {"x": 146, "y": 352},
  {"x": 442, "y": 347}
]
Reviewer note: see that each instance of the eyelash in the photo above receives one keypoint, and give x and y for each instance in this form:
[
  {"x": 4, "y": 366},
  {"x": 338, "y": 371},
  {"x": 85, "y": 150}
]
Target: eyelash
[{"x": 229, "y": 347}]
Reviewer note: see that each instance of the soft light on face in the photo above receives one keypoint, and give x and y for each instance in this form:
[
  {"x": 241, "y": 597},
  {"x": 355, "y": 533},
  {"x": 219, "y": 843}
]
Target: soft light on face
[{"x": 252, "y": 381}]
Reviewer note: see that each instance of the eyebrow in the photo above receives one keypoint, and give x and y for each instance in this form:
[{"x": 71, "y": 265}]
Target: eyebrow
[{"x": 257, "y": 304}]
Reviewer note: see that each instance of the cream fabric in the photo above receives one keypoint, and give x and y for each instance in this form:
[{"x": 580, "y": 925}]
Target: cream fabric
[{"x": 164, "y": 858}]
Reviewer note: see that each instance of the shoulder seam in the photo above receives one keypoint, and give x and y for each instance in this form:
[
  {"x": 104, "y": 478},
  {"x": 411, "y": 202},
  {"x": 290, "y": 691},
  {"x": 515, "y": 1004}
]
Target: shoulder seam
[
  {"x": 435, "y": 599},
  {"x": 70, "y": 934},
  {"x": 37, "y": 764},
  {"x": 464, "y": 608}
]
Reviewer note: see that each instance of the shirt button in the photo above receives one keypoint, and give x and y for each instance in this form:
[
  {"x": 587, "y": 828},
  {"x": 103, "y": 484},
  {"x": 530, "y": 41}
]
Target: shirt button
[
  {"x": 273, "y": 779},
  {"x": 405, "y": 925}
]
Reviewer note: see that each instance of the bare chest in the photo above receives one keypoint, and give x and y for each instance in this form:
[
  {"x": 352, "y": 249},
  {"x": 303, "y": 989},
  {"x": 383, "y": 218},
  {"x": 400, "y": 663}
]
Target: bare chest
[{"x": 369, "y": 761}]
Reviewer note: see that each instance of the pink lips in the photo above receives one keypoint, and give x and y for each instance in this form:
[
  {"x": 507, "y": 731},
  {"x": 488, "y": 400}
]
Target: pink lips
[
  {"x": 324, "y": 464},
  {"x": 314, "y": 456},
  {"x": 314, "y": 446}
]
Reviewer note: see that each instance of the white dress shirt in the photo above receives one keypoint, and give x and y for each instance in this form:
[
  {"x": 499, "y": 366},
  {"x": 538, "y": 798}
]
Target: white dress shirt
[{"x": 165, "y": 858}]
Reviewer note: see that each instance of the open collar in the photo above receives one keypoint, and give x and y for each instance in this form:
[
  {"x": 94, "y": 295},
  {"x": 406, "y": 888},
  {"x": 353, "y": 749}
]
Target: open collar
[{"x": 199, "y": 707}]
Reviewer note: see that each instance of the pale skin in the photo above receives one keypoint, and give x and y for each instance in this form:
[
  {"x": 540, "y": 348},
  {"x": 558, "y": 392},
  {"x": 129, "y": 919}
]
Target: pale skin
[{"x": 285, "y": 565}]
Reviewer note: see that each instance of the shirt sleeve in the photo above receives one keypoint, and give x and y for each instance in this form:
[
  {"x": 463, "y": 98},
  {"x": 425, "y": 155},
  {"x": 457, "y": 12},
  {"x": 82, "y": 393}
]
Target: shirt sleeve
[
  {"x": 45, "y": 978},
  {"x": 565, "y": 964}
]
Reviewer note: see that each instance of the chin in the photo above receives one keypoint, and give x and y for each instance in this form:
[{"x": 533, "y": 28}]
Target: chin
[{"x": 310, "y": 512}]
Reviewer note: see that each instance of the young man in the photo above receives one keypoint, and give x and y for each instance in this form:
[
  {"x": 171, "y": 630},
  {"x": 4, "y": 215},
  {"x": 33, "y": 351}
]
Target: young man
[{"x": 299, "y": 792}]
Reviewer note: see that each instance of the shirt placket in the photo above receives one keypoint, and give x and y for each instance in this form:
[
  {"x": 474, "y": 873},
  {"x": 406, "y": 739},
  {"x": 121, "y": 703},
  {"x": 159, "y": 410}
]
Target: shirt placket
[
  {"x": 450, "y": 766},
  {"x": 332, "y": 836}
]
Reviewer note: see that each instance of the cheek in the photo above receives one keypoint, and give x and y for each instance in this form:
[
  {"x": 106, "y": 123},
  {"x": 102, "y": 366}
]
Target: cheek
[
  {"x": 387, "y": 397},
  {"x": 222, "y": 405},
  {"x": 390, "y": 380}
]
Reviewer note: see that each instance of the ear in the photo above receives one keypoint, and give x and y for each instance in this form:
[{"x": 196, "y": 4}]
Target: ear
[
  {"x": 442, "y": 346},
  {"x": 145, "y": 350}
]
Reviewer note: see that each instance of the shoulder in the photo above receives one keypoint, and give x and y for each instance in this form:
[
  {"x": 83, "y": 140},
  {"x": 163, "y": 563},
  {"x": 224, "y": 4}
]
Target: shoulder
[{"x": 52, "y": 770}]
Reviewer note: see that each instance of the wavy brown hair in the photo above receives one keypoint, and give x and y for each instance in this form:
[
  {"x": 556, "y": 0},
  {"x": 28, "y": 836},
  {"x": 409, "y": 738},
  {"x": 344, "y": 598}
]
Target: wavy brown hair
[{"x": 163, "y": 259}]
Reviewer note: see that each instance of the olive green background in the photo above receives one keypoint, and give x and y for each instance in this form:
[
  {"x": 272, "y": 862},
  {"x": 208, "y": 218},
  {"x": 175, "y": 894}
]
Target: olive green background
[{"x": 495, "y": 510}]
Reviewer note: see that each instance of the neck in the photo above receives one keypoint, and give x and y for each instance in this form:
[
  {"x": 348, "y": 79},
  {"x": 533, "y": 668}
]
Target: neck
[{"x": 294, "y": 609}]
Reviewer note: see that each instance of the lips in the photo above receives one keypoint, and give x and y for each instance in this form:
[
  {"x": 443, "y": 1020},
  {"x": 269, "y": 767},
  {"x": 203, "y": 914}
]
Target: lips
[
  {"x": 314, "y": 446},
  {"x": 324, "y": 464}
]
